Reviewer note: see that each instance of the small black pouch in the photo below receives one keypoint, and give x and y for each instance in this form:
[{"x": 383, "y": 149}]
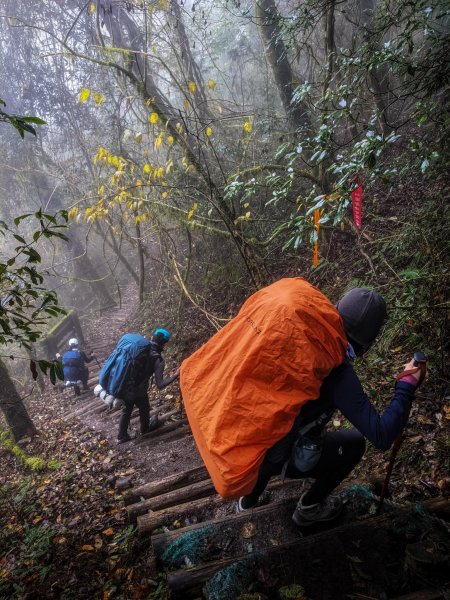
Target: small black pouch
[{"x": 306, "y": 453}]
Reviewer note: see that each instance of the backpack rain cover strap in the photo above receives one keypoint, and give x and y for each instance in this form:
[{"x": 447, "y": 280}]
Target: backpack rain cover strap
[{"x": 243, "y": 389}]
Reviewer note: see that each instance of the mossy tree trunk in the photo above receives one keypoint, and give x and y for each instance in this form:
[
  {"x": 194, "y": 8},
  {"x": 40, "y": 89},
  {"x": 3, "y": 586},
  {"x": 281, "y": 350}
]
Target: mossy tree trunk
[{"x": 13, "y": 408}]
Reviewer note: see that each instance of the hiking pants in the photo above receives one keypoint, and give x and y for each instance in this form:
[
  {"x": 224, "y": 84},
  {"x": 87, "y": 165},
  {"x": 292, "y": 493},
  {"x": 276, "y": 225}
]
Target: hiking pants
[
  {"x": 144, "y": 415},
  {"x": 342, "y": 451},
  {"x": 84, "y": 376}
]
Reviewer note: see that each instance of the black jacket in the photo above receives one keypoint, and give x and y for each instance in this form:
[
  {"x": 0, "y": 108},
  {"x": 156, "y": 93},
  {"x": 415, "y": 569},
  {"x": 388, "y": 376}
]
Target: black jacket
[{"x": 342, "y": 390}]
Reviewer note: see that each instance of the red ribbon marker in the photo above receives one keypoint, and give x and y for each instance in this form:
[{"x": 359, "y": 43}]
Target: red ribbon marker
[{"x": 357, "y": 197}]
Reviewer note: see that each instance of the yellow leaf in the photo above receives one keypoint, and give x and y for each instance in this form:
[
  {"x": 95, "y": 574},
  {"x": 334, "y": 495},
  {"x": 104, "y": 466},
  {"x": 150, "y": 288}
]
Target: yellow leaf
[
  {"x": 147, "y": 169},
  {"x": 98, "y": 542},
  {"x": 186, "y": 104},
  {"x": 192, "y": 211},
  {"x": 101, "y": 190},
  {"x": 247, "y": 127},
  {"x": 92, "y": 7},
  {"x": 98, "y": 98},
  {"x": 84, "y": 94},
  {"x": 108, "y": 531},
  {"x": 208, "y": 132},
  {"x": 192, "y": 87},
  {"x": 138, "y": 137},
  {"x": 164, "y": 195},
  {"x": 159, "y": 140},
  {"x": 211, "y": 84},
  {"x": 72, "y": 212},
  {"x": 87, "y": 547},
  {"x": 59, "y": 539},
  {"x": 170, "y": 139},
  {"x": 154, "y": 118}
]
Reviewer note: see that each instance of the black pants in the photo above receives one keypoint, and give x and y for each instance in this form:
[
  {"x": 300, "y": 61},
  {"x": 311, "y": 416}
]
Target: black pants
[
  {"x": 342, "y": 451},
  {"x": 84, "y": 376},
  {"x": 144, "y": 415}
]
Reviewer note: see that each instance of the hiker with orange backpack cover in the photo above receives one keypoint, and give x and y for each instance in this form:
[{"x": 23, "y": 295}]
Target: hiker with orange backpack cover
[{"x": 259, "y": 394}]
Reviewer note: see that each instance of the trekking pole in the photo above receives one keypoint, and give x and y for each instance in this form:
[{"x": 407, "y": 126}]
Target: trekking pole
[{"x": 420, "y": 364}]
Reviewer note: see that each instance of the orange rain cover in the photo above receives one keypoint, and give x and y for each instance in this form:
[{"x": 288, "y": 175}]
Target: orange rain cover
[{"x": 243, "y": 389}]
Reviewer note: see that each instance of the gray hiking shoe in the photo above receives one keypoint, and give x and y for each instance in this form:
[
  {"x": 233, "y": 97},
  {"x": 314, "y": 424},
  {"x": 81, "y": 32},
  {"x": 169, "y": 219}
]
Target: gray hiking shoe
[{"x": 327, "y": 510}]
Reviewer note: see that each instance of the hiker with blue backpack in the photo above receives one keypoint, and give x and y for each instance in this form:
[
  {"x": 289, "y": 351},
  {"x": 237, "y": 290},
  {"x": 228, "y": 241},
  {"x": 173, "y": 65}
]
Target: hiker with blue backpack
[
  {"x": 126, "y": 375},
  {"x": 74, "y": 364}
]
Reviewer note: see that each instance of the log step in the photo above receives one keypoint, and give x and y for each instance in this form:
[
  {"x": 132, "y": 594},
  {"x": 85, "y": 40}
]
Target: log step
[
  {"x": 170, "y": 483},
  {"x": 178, "y": 496},
  {"x": 368, "y": 550},
  {"x": 149, "y": 522}
]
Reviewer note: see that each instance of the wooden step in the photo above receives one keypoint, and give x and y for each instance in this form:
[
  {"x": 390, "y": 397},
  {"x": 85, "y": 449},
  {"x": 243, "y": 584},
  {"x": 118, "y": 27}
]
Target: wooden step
[
  {"x": 160, "y": 433},
  {"x": 170, "y": 483},
  {"x": 297, "y": 560},
  {"x": 147, "y": 523},
  {"x": 178, "y": 496}
]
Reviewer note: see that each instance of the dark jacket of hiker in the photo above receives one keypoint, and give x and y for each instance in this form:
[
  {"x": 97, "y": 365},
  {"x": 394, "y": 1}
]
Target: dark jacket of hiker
[
  {"x": 155, "y": 365},
  {"x": 138, "y": 395},
  {"x": 74, "y": 364}
]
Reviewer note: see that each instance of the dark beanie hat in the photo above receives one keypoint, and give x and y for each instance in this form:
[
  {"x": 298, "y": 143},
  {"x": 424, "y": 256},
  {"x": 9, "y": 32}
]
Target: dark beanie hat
[{"x": 363, "y": 312}]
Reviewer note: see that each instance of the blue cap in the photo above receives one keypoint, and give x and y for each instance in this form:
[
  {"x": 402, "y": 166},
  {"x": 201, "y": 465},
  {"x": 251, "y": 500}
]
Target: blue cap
[{"x": 162, "y": 333}]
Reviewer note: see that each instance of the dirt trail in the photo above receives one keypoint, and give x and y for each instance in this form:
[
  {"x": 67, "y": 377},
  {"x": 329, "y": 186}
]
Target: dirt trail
[{"x": 151, "y": 457}]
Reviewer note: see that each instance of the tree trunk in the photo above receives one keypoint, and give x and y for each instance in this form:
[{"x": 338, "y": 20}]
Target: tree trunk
[
  {"x": 13, "y": 408},
  {"x": 267, "y": 18},
  {"x": 140, "y": 251},
  {"x": 378, "y": 77},
  {"x": 85, "y": 271}
]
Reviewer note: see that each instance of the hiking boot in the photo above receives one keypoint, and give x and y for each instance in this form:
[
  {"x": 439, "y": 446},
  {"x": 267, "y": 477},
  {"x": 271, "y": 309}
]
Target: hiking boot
[
  {"x": 153, "y": 423},
  {"x": 263, "y": 499},
  {"x": 123, "y": 440},
  {"x": 327, "y": 510}
]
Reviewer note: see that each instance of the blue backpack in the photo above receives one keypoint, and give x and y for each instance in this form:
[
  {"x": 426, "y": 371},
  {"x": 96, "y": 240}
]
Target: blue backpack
[
  {"x": 126, "y": 368},
  {"x": 73, "y": 365}
]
